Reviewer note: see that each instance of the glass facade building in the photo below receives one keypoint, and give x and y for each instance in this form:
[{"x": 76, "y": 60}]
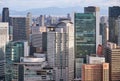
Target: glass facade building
[
  {"x": 14, "y": 50},
  {"x": 114, "y": 12},
  {"x": 85, "y": 34},
  {"x": 20, "y": 28},
  {"x": 5, "y": 15}
]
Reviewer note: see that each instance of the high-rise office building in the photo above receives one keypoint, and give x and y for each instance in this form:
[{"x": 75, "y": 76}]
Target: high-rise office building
[
  {"x": 38, "y": 38},
  {"x": 29, "y": 15},
  {"x": 78, "y": 68},
  {"x": 85, "y": 34},
  {"x": 114, "y": 12},
  {"x": 118, "y": 29},
  {"x": 112, "y": 56},
  {"x": 4, "y": 39},
  {"x": 14, "y": 50},
  {"x": 96, "y": 11},
  {"x": 60, "y": 51},
  {"x": 85, "y": 39},
  {"x": 103, "y": 29},
  {"x": 39, "y": 41},
  {"x": 20, "y": 28},
  {"x": 41, "y": 20},
  {"x": 95, "y": 72},
  {"x": 5, "y": 15}
]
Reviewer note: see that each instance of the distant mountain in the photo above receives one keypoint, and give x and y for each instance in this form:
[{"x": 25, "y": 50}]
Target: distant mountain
[{"x": 53, "y": 11}]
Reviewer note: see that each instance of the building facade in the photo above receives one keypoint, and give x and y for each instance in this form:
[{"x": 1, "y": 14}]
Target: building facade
[
  {"x": 95, "y": 60},
  {"x": 4, "y": 39},
  {"x": 118, "y": 26},
  {"x": 14, "y": 50},
  {"x": 60, "y": 51},
  {"x": 95, "y": 72},
  {"x": 85, "y": 39},
  {"x": 113, "y": 29},
  {"x": 96, "y": 11},
  {"x": 85, "y": 34},
  {"x": 39, "y": 38},
  {"x": 34, "y": 69},
  {"x": 112, "y": 56},
  {"x": 103, "y": 29},
  {"x": 78, "y": 68},
  {"x": 20, "y": 28},
  {"x": 29, "y": 15}
]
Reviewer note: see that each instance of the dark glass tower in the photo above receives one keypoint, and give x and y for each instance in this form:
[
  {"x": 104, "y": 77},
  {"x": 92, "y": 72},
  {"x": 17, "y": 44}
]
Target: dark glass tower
[
  {"x": 95, "y": 11},
  {"x": 85, "y": 34},
  {"x": 20, "y": 28},
  {"x": 85, "y": 39},
  {"x": 14, "y": 50},
  {"x": 103, "y": 29},
  {"x": 5, "y": 15},
  {"x": 114, "y": 12}
]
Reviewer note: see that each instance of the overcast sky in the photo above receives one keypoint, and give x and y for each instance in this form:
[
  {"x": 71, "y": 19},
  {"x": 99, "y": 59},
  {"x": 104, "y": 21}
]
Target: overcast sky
[{"x": 21, "y": 5}]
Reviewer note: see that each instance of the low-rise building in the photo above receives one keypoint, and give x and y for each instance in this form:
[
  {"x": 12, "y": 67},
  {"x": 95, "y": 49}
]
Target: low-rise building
[
  {"x": 95, "y": 72},
  {"x": 34, "y": 69}
]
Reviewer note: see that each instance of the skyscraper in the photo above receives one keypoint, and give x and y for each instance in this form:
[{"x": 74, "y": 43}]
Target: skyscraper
[
  {"x": 85, "y": 34},
  {"x": 112, "y": 56},
  {"x": 60, "y": 48},
  {"x": 20, "y": 28},
  {"x": 4, "y": 38},
  {"x": 29, "y": 15},
  {"x": 14, "y": 50},
  {"x": 117, "y": 25},
  {"x": 114, "y": 12},
  {"x": 5, "y": 15},
  {"x": 42, "y": 20},
  {"x": 96, "y": 11},
  {"x": 118, "y": 21},
  {"x": 103, "y": 29},
  {"x": 85, "y": 39}
]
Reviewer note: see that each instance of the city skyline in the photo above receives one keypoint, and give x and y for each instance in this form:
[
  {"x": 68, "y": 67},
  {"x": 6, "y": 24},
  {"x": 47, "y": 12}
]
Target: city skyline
[
  {"x": 59, "y": 40},
  {"x": 21, "y": 5}
]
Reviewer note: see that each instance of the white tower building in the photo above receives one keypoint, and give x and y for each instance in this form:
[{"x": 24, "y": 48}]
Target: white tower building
[
  {"x": 60, "y": 51},
  {"x": 4, "y": 38}
]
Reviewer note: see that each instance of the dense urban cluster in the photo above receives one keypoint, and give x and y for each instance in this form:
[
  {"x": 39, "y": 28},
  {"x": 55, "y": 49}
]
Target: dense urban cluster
[{"x": 77, "y": 47}]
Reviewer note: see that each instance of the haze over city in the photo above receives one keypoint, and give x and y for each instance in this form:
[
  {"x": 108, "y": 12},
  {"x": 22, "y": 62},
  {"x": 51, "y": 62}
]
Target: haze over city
[
  {"x": 21, "y": 5},
  {"x": 35, "y": 6}
]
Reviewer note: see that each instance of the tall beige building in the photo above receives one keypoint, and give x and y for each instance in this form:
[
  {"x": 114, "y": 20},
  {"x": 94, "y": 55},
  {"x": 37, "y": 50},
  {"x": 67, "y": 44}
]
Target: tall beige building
[
  {"x": 4, "y": 38},
  {"x": 112, "y": 56},
  {"x": 60, "y": 51}
]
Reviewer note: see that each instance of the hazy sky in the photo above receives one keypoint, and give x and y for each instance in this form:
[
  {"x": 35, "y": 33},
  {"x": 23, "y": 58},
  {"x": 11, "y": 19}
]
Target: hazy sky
[{"x": 20, "y": 5}]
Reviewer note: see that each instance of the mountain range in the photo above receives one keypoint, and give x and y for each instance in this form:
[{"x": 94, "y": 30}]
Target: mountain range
[{"x": 54, "y": 11}]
